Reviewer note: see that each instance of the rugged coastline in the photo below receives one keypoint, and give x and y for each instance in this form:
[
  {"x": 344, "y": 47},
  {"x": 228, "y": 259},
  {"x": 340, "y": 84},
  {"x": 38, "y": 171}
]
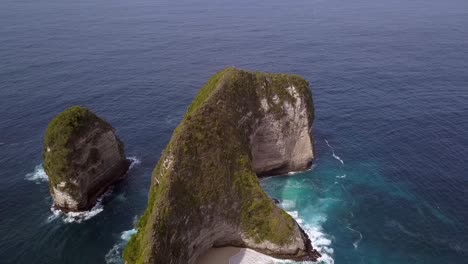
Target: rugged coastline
[{"x": 205, "y": 192}]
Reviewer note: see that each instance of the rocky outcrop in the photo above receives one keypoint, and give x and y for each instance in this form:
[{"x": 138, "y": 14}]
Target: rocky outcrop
[
  {"x": 282, "y": 143},
  {"x": 205, "y": 191},
  {"x": 82, "y": 157}
]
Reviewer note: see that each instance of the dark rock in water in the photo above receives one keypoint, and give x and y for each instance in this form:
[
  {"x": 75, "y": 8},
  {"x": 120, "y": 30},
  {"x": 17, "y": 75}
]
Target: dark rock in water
[
  {"x": 205, "y": 190},
  {"x": 276, "y": 201},
  {"x": 82, "y": 157}
]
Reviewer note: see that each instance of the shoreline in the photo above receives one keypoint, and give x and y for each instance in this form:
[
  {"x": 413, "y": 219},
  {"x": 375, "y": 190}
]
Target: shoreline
[{"x": 234, "y": 255}]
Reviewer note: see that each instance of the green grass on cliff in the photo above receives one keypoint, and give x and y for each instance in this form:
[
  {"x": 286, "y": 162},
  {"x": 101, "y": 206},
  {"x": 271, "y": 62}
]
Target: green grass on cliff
[
  {"x": 259, "y": 218},
  {"x": 205, "y": 92},
  {"x": 213, "y": 171},
  {"x": 65, "y": 127}
]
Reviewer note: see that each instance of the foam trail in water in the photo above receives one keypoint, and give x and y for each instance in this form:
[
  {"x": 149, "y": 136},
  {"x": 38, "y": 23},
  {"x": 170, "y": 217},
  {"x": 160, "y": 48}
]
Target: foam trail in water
[
  {"x": 17, "y": 143},
  {"x": 38, "y": 175},
  {"x": 135, "y": 161},
  {"x": 341, "y": 176},
  {"x": 114, "y": 254},
  {"x": 356, "y": 243},
  {"x": 333, "y": 153},
  {"x": 296, "y": 172}
]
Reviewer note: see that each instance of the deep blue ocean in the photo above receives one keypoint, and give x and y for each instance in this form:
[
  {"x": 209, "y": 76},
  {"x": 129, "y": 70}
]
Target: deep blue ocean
[{"x": 390, "y": 84}]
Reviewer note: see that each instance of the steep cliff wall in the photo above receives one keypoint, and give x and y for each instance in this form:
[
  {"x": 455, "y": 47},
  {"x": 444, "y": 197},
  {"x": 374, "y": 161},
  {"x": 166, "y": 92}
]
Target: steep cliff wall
[
  {"x": 205, "y": 191},
  {"x": 281, "y": 141},
  {"x": 82, "y": 157}
]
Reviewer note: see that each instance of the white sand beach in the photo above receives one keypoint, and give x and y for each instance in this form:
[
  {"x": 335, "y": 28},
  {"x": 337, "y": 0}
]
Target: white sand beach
[{"x": 233, "y": 255}]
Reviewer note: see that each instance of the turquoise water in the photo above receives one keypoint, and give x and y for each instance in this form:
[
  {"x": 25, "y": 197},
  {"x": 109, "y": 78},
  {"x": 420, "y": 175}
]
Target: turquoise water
[
  {"x": 354, "y": 214},
  {"x": 390, "y": 86}
]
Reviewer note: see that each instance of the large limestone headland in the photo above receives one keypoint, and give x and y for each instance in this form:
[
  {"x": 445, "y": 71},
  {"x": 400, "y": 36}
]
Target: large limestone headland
[
  {"x": 83, "y": 157},
  {"x": 205, "y": 190}
]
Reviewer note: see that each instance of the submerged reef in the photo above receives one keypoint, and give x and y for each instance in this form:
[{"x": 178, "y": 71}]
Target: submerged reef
[{"x": 205, "y": 190}]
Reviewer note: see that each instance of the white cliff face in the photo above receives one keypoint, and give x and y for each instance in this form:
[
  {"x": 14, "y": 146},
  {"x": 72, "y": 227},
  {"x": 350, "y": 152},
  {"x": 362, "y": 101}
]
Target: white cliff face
[
  {"x": 99, "y": 162},
  {"x": 284, "y": 144},
  {"x": 63, "y": 198}
]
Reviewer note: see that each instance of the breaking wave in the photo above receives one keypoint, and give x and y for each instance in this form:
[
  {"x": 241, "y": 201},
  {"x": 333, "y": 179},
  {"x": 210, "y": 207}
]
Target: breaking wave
[
  {"x": 320, "y": 241},
  {"x": 79, "y": 217},
  {"x": 114, "y": 255},
  {"x": 126, "y": 235},
  {"x": 38, "y": 175},
  {"x": 135, "y": 162},
  {"x": 288, "y": 204},
  {"x": 333, "y": 153}
]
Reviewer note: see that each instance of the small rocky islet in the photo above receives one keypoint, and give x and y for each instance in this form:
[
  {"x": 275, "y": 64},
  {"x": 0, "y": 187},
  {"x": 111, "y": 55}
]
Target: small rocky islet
[
  {"x": 205, "y": 190},
  {"x": 83, "y": 157}
]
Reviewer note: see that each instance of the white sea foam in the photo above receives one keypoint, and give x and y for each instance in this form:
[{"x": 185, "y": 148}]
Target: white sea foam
[
  {"x": 356, "y": 243},
  {"x": 135, "y": 161},
  {"x": 301, "y": 171},
  {"x": 341, "y": 176},
  {"x": 38, "y": 175},
  {"x": 333, "y": 153},
  {"x": 288, "y": 204},
  {"x": 338, "y": 158},
  {"x": 294, "y": 214},
  {"x": 401, "y": 227},
  {"x": 126, "y": 235},
  {"x": 17, "y": 143},
  {"x": 114, "y": 254},
  {"x": 121, "y": 197},
  {"x": 313, "y": 227},
  {"x": 135, "y": 220},
  {"x": 320, "y": 241},
  {"x": 79, "y": 217}
]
